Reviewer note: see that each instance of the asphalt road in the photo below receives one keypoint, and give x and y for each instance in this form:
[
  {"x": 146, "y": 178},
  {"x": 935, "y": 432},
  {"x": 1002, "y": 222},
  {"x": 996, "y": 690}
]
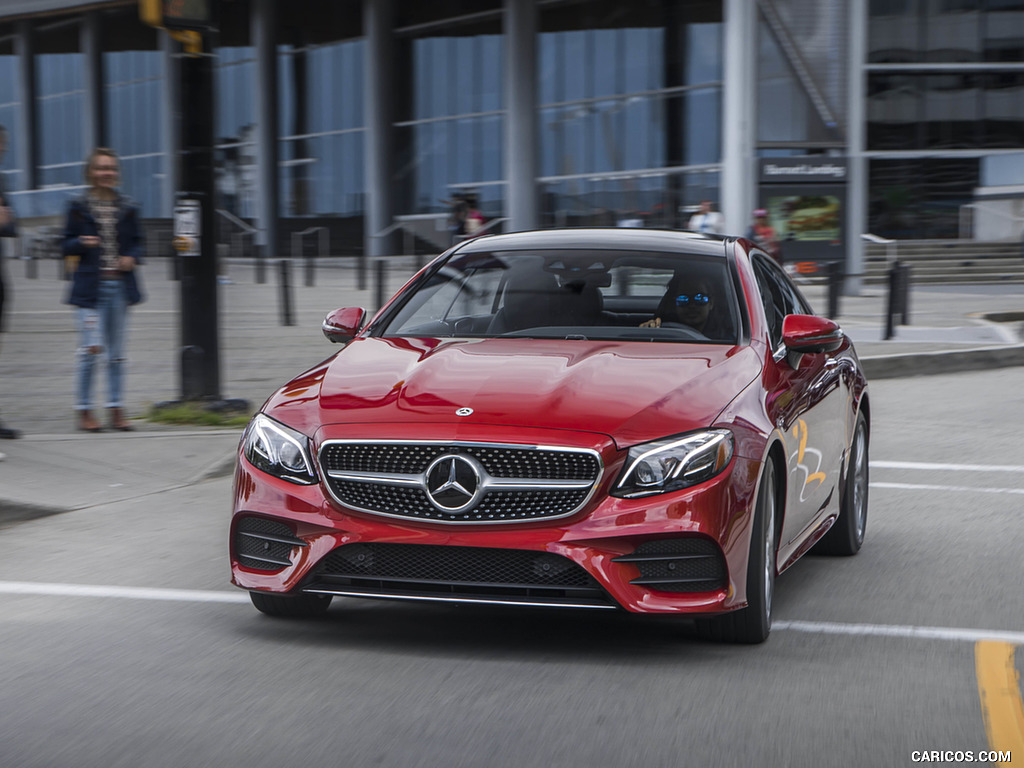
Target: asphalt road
[{"x": 123, "y": 645}]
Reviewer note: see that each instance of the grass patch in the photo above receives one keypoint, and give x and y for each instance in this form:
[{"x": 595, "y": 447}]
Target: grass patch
[{"x": 198, "y": 413}]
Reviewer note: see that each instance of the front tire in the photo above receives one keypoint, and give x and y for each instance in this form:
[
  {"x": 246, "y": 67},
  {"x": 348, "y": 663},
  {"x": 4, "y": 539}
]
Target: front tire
[
  {"x": 297, "y": 607},
  {"x": 846, "y": 535},
  {"x": 752, "y": 624}
]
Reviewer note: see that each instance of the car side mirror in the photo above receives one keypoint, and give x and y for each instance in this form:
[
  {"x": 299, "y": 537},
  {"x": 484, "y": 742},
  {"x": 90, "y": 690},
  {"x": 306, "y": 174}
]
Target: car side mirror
[
  {"x": 809, "y": 334},
  {"x": 342, "y": 325}
]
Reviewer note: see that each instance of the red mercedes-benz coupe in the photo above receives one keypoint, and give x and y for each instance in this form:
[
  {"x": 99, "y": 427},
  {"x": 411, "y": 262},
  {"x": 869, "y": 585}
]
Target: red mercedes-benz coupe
[{"x": 643, "y": 420}]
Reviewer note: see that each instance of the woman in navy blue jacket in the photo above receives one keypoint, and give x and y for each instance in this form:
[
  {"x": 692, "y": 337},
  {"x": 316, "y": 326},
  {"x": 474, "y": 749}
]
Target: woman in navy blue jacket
[{"x": 103, "y": 238}]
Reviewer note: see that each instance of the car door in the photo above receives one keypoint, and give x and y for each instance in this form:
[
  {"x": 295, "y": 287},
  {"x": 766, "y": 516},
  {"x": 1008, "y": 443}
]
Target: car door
[{"x": 807, "y": 404}]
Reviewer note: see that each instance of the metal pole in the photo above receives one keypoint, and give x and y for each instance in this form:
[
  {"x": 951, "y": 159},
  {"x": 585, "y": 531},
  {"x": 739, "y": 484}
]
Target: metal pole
[
  {"x": 905, "y": 293},
  {"x": 856, "y": 142},
  {"x": 379, "y": 87},
  {"x": 890, "y": 306},
  {"x": 325, "y": 244},
  {"x": 521, "y": 142},
  {"x": 264, "y": 30},
  {"x": 200, "y": 358},
  {"x": 738, "y": 106},
  {"x": 310, "y": 267},
  {"x": 31, "y": 266},
  {"x": 286, "y": 293},
  {"x": 381, "y": 265},
  {"x": 835, "y": 285}
]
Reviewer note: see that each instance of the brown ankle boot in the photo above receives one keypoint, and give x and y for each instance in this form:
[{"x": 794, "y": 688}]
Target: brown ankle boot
[
  {"x": 119, "y": 422},
  {"x": 86, "y": 423}
]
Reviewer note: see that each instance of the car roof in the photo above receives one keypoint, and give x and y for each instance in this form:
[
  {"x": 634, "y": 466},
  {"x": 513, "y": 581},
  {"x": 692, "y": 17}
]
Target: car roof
[{"x": 607, "y": 238}]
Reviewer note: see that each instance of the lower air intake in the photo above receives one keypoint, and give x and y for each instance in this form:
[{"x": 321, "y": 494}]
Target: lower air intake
[
  {"x": 263, "y": 544},
  {"x": 678, "y": 565},
  {"x": 471, "y": 573}
]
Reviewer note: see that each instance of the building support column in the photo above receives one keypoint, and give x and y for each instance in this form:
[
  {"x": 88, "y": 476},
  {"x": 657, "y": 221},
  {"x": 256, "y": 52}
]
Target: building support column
[
  {"x": 28, "y": 120},
  {"x": 94, "y": 127},
  {"x": 378, "y": 21},
  {"x": 264, "y": 39},
  {"x": 170, "y": 125},
  {"x": 857, "y": 180},
  {"x": 521, "y": 153},
  {"x": 739, "y": 104}
]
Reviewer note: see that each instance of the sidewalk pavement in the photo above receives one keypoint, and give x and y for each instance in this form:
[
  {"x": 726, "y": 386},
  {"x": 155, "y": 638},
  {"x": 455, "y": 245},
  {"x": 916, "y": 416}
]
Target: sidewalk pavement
[{"x": 53, "y": 468}]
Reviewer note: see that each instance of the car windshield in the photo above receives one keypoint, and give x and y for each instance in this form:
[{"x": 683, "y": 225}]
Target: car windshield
[{"x": 572, "y": 294}]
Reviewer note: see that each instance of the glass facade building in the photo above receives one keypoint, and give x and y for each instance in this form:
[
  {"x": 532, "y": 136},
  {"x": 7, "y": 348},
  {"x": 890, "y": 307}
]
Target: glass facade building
[{"x": 634, "y": 106}]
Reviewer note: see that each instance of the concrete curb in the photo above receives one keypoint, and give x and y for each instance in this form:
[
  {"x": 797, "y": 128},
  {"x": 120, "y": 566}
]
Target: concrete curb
[
  {"x": 224, "y": 467},
  {"x": 946, "y": 361},
  {"x": 17, "y": 511}
]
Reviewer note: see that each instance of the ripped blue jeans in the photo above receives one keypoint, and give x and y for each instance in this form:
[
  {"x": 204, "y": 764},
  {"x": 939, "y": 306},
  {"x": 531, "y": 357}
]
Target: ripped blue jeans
[{"x": 101, "y": 335}]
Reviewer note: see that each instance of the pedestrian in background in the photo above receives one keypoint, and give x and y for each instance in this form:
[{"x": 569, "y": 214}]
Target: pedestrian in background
[
  {"x": 764, "y": 235},
  {"x": 474, "y": 218},
  {"x": 706, "y": 220},
  {"x": 8, "y": 228},
  {"x": 103, "y": 236}
]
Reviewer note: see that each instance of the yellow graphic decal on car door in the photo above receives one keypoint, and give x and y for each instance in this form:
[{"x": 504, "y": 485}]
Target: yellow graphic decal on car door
[{"x": 800, "y": 433}]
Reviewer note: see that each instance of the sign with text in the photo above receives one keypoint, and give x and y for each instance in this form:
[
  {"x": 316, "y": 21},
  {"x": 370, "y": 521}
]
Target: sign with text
[
  {"x": 188, "y": 222},
  {"x": 805, "y": 199}
]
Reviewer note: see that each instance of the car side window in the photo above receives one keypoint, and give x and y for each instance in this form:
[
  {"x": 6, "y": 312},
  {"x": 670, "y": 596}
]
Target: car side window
[{"x": 777, "y": 296}]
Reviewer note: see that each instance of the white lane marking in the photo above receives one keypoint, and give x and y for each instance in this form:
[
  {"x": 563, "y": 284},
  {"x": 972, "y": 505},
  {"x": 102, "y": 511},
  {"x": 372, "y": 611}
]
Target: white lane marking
[
  {"x": 956, "y": 634},
  {"x": 945, "y": 467},
  {"x": 130, "y": 593},
  {"x": 966, "y": 488},
  {"x": 812, "y": 627}
]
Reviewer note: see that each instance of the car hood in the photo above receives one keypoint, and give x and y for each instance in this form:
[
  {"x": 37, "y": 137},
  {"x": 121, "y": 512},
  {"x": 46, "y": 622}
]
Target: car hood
[{"x": 631, "y": 392}]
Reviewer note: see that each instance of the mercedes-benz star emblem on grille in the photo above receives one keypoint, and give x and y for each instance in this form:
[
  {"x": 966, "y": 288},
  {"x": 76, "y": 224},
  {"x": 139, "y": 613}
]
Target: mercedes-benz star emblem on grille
[
  {"x": 464, "y": 412},
  {"x": 454, "y": 483}
]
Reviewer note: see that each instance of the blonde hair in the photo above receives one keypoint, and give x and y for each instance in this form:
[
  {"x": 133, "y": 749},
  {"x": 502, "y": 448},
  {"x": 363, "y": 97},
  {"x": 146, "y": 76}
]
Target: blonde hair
[{"x": 93, "y": 156}]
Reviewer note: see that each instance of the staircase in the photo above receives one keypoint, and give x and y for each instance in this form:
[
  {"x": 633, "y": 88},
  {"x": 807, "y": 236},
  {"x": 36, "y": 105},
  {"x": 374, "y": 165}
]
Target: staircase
[{"x": 946, "y": 261}]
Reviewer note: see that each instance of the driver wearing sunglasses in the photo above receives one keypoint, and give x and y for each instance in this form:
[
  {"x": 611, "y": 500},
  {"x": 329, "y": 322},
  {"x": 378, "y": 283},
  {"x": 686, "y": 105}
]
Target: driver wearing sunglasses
[{"x": 688, "y": 303}]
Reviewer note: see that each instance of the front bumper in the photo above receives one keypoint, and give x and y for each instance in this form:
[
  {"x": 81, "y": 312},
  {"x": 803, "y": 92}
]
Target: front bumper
[{"x": 681, "y": 552}]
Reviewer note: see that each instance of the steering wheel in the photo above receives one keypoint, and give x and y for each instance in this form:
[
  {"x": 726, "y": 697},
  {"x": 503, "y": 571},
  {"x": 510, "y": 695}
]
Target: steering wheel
[{"x": 692, "y": 332}]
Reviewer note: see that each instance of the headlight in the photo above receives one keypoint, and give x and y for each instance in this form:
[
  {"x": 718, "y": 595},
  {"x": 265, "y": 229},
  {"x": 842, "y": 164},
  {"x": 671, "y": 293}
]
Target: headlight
[
  {"x": 278, "y": 450},
  {"x": 674, "y": 463}
]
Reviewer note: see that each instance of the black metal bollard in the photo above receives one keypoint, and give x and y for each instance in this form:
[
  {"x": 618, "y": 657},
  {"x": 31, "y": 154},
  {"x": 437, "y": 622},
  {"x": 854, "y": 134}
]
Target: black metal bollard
[
  {"x": 381, "y": 292},
  {"x": 905, "y": 294},
  {"x": 32, "y": 265},
  {"x": 286, "y": 293},
  {"x": 260, "y": 263},
  {"x": 835, "y": 287},
  {"x": 310, "y": 270},
  {"x": 893, "y": 302}
]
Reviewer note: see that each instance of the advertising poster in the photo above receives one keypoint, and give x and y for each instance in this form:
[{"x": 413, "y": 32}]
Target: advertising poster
[{"x": 806, "y": 218}]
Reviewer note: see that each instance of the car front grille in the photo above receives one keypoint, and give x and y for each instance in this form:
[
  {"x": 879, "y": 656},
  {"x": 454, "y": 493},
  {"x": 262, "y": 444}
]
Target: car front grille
[
  {"x": 476, "y": 574},
  {"x": 498, "y": 483},
  {"x": 263, "y": 544},
  {"x": 678, "y": 565}
]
